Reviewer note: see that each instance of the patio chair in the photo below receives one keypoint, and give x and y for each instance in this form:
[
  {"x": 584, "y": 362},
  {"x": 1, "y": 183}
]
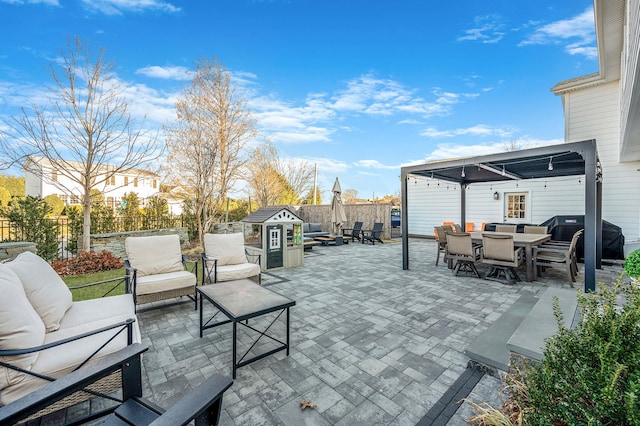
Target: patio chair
[
  {"x": 441, "y": 239},
  {"x": 203, "y": 404},
  {"x": 226, "y": 259},
  {"x": 503, "y": 258},
  {"x": 531, "y": 229},
  {"x": 457, "y": 227},
  {"x": 550, "y": 255},
  {"x": 507, "y": 228},
  {"x": 157, "y": 269},
  {"x": 373, "y": 235},
  {"x": 462, "y": 253},
  {"x": 354, "y": 232}
]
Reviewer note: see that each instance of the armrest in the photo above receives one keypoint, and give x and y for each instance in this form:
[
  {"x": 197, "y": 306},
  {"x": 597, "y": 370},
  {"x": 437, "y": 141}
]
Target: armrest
[
  {"x": 204, "y": 401},
  {"x": 194, "y": 267},
  {"x": 37, "y": 400},
  {"x": 12, "y": 352},
  {"x": 118, "y": 281},
  {"x": 258, "y": 255},
  {"x": 558, "y": 250}
]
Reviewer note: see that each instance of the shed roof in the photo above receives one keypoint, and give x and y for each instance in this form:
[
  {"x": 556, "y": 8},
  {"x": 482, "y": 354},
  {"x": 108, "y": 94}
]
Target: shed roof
[{"x": 272, "y": 214}]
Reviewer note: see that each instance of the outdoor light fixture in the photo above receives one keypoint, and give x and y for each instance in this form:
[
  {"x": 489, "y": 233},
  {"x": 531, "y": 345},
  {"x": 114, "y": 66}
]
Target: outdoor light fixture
[
  {"x": 463, "y": 175},
  {"x": 496, "y": 195},
  {"x": 503, "y": 172},
  {"x": 550, "y": 163}
]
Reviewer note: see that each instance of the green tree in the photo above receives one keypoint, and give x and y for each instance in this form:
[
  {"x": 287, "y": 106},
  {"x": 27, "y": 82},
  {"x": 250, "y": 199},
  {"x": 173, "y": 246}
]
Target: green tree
[
  {"x": 74, "y": 228},
  {"x": 5, "y": 196},
  {"x": 130, "y": 212},
  {"x": 29, "y": 222},
  {"x": 156, "y": 213},
  {"x": 15, "y": 185},
  {"x": 56, "y": 204}
]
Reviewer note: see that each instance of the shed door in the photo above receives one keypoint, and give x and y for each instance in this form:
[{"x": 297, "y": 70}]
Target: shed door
[{"x": 275, "y": 247}]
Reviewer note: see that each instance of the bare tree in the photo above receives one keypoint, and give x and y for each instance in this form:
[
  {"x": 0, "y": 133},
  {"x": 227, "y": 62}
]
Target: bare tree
[
  {"x": 273, "y": 180},
  {"x": 207, "y": 142},
  {"x": 85, "y": 133}
]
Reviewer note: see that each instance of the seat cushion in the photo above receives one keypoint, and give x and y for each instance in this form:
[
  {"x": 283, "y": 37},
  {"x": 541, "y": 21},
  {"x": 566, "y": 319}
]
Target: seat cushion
[
  {"x": 227, "y": 248},
  {"x": 83, "y": 317},
  {"x": 46, "y": 291},
  {"x": 236, "y": 272},
  {"x": 20, "y": 326},
  {"x": 153, "y": 255},
  {"x": 162, "y": 282}
]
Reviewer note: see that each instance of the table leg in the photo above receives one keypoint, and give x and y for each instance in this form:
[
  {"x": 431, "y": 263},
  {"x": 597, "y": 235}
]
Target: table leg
[
  {"x": 201, "y": 316},
  {"x": 287, "y": 331},
  {"x": 234, "y": 349},
  {"x": 528, "y": 257}
]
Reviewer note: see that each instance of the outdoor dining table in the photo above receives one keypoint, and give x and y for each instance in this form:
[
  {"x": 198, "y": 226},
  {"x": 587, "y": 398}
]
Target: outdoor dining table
[{"x": 528, "y": 241}]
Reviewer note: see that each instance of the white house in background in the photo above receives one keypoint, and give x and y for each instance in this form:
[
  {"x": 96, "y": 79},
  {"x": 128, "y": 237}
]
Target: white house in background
[
  {"x": 604, "y": 106},
  {"x": 42, "y": 179}
]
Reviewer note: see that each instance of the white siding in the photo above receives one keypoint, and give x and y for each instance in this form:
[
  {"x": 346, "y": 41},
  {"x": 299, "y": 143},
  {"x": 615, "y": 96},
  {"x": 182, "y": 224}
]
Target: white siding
[
  {"x": 594, "y": 113},
  {"x": 429, "y": 206}
]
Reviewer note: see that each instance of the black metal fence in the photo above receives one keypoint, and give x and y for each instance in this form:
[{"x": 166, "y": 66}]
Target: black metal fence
[{"x": 66, "y": 241}]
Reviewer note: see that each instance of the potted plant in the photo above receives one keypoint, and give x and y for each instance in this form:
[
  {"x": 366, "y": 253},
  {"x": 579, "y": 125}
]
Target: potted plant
[{"x": 632, "y": 265}]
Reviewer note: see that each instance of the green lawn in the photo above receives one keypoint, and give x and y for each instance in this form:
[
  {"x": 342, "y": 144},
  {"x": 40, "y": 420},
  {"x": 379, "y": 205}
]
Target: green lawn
[{"x": 97, "y": 291}]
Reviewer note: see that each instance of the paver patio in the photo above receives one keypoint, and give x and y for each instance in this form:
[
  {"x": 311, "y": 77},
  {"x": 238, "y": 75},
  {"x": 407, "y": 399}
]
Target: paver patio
[{"x": 370, "y": 343}]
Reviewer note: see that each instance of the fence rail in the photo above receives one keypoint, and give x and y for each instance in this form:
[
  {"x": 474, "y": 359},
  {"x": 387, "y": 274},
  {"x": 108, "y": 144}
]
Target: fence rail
[{"x": 10, "y": 231}]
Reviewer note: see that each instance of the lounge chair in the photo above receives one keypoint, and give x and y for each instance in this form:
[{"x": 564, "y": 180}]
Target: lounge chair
[
  {"x": 354, "y": 232},
  {"x": 499, "y": 253},
  {"x": 203, "y": 404},
  {"x": 374, "y": 234},
  {"x": 157, "y": 270},
  {"x": 225, "y": 259},
  {"x": 462, "y": 252},
  {"x": 558, "y": 255}
]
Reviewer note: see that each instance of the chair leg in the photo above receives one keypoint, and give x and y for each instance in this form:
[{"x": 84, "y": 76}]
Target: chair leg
[{"x": 438, "y": 257}]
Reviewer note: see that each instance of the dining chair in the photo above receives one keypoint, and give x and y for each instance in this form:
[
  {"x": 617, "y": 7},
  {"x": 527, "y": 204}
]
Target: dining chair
[
  {"x": 561, "y": 256},
  {"x": 507, "y": 228},
  {"x": 462, "y": 253},
  {"x": 441, "y": 240},
  {"x": 531, "y": 229},
  {"x": 499, "y": 252}
]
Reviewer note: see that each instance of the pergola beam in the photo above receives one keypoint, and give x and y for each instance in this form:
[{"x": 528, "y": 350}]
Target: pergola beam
[{"x": 500, "y": 172}]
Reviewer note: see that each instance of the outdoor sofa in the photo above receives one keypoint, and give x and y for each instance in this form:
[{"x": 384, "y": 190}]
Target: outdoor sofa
[
  {"x": 42, "y": 331},
  {"x": 312, "y": 230}
]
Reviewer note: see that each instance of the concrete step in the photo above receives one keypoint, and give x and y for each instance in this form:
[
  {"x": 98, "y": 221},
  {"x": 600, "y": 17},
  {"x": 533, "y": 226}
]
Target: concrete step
[
  {"x": 522, "y": 329},
  {"x": 490, "y": 348},
  {"x": 541, "y": 323}
]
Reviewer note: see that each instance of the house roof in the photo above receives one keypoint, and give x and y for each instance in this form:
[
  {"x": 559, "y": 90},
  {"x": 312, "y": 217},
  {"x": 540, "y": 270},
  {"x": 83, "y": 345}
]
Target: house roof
[
  {"x": 272, "y": 214},
  {"x": 76, "y": 165}
]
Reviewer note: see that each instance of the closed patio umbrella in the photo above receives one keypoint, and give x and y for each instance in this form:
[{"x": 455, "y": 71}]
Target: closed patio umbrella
[{"x": 338, "y": 216}]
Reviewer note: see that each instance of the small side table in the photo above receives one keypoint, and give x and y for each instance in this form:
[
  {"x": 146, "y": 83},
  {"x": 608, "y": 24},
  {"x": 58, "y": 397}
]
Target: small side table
[{"x": 240, "y": 301}]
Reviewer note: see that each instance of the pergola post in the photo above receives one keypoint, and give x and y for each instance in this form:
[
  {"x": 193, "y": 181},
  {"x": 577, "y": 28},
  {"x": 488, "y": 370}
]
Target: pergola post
[{"x": 404, "y": 225}]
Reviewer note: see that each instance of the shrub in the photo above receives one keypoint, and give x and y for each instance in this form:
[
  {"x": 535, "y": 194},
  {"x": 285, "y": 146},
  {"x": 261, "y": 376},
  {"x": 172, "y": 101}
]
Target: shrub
[
  {"x": 87, "y": 263},
  {"x": 632, "y": 264},
  {"x": 590, "y": 375}
]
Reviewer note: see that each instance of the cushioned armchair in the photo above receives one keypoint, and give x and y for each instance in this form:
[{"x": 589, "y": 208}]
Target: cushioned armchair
[
  {"x": 44, "y": 335},
  {"x": 225, "y": 259},
  {"x": 156, "y": 269}
]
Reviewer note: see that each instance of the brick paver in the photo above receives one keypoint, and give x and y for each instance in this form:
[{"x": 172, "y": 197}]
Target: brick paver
[{"x": 370, "y": 343}]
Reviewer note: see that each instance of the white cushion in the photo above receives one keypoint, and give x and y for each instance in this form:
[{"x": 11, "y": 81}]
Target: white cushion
[
  {"x": 227, "y": 248},
  {"x": 151, "y": 284},
  {"x": 236, "y": 272},
  {"x": 20, "y": 326},
  {"x": 154, "y": 255},
  {"x": 46, "y": 291},
  {"x": 83, "y": 316}
]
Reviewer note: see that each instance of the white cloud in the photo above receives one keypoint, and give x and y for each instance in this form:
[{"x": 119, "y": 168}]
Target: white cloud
[
  {"x": 118, "y": 7},
  {"x": 579, "y": 28},
  {"x": 481, "y": 130},
  {"x": 374, "y": 164},
  {"x": 167, "y": 72},
  {"x": 488, "y": 29},
  {"x": 48, "y": 2},
  {"x": 449, "y": 151}
]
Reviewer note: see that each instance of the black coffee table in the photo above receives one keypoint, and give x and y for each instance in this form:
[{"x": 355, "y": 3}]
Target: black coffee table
[{"x": 240, "y": 301}]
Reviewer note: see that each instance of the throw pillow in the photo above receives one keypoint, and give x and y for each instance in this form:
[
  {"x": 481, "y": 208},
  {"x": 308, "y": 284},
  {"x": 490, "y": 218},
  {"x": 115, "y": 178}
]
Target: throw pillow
[{"x": 46, "y": 291}]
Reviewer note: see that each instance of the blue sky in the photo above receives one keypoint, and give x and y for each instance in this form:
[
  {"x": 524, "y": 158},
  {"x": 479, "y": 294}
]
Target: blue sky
[{"x": 360, "y": 88}]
